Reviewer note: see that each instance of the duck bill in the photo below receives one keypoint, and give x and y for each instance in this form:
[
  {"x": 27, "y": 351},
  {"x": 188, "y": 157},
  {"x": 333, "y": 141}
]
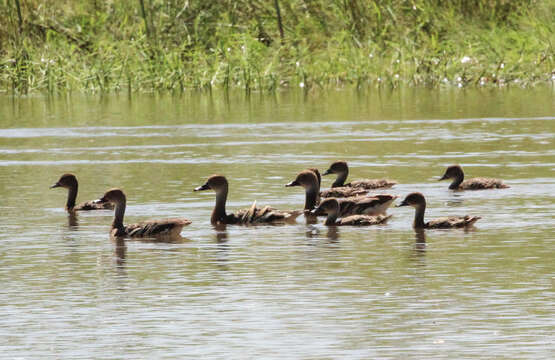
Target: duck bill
[
  {"x": 292, "y": 183},
  {"x": 55, "y": 185},
  {"x": 317, "y": 211},
  {"x": 327, "y": 172},
  {"x": 403, "y": 203},
  {"x": 444, "y": 177},
  {"x": 203, "y": 187}
]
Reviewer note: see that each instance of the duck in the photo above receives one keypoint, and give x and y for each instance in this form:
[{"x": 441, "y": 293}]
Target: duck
[
  {"x": 456, "y": 173},
  {"x": 253, "y": 215},
  {"x": 369, "y": 205},
  {"x": 149, "y": 228},
  {"x": 342, "y": 170},
  {"x": 417, "y": 201},
  {"x": 331, "y": 207},
  {"x": 69, "y": 181},
  {"x": 309, "y": 181}
]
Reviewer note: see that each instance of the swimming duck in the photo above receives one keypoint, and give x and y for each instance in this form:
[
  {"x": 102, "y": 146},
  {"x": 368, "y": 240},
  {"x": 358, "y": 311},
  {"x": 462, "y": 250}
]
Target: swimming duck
[
  {"x": 253, "y": 215},
  {"x": 309, "y": 181},
  {"x": 417, "y": 201},
  {"x": 342, "y": 170},
  {"x": 332, "y": 208},
  {"x": 69, "y": 181},
  {"x": 456, "y": 173},
  {"x": 369, "y": 205},
  {"x": 165, "y": 227}
]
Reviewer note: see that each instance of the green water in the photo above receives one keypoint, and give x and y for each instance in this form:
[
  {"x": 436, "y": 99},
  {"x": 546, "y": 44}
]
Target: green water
[{"x": 296, "y": 291}]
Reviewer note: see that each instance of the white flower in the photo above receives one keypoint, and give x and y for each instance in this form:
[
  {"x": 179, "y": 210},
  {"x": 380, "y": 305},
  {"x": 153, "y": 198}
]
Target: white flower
[
  {"x": 502, "y": 66},
  {"x": 298, "y": 64},
  {"x": 301, "y": 84},
  {"x": 379, "y": 79},
  {"x": 460, "y": 85},
  {"x": 459, "y": 79},
  {"x": 445, "y": 80},
  {"x": 396, "y": 76},
  {"x": 466, "y": 60}
]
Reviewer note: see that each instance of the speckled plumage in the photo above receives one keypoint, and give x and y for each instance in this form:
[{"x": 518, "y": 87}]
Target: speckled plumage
[
  {"x": 332, "y": 208},
  {"x": 342, "y": 170},
  {"x": 69, "y": 182},
  {"x": 253, "y": 215},
  {"x": 368, "y": 205},
  {"x": 342, "y": 192},
  {"x": 418, "y": 202},
  {"x": 149, "y": 228},
  {"x": 456, "y": 173}
]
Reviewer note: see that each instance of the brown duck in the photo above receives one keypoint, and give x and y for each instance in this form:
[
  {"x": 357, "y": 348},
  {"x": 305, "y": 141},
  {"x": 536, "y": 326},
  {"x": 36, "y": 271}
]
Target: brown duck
[
  {"x": 309, "y": 181},
  {"x": 369, "y": 205},
  {"x": 332, "y": 208},
  {"x": 69, "y": 181},
  {"x": 149, "y": 228},
  {"x": 253, "y": 215},
  {"x": 342, "y": 170},
  {"x": 456, "y": 173},
  {"x": 417, "y": 201}
]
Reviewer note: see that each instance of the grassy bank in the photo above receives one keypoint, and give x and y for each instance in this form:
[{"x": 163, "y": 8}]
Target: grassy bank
[{"x": 155, "y": 45}]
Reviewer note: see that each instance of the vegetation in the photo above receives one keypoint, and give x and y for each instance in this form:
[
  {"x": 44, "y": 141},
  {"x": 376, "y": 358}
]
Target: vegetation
[{"x": 171, "y": 45}]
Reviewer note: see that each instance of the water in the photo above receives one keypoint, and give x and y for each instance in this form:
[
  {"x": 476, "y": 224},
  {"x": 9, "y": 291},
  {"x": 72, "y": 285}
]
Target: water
[{"x": 299, "y": 291}]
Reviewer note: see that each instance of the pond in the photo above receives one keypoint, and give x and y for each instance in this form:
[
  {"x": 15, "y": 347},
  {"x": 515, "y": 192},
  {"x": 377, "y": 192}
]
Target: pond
[{"x": 292, "y": 291}]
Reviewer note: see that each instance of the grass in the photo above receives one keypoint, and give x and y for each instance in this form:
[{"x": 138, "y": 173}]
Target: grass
[{"x": 59, "y": 46}]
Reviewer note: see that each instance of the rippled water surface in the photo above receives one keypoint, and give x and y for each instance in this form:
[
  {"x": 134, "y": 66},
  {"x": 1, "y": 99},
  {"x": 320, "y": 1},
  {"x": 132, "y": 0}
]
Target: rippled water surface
[{"x": 295, "y": 291}]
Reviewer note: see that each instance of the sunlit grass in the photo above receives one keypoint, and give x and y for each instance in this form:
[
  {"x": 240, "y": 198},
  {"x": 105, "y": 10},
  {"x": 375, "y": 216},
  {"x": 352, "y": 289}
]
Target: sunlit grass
[{"x": 98, "y": 47}]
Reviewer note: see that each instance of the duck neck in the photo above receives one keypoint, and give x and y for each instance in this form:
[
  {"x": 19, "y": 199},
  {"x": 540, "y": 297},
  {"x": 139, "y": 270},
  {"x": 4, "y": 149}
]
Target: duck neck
[
  {"x": 218, "y": 214},
  {"x": 332, "y": 215},
  {"x": 311, "y": 197},
  {"x": 331, "y": 219},
  {"x": 71, "y": 196},
  {"x": 457, "y": 181},
  {"x": 340, "y": 180},
  {"x": 118, "y": 217},
  {"x": 419, "y": 216}
]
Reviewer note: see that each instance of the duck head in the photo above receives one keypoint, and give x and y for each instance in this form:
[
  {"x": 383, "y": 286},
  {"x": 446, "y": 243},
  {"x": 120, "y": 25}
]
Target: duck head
[
  {"x": 452, "y": 172},
  {"x": 67, "y": 181},
  {"x": 414, "y": 199},
  {"x": 114, "y": 196},
  {"x": 338, "y": 167},
  {"x": 329, "y": 206},
  {"x": 217, "y": 183},
  {"x": 306, "y": 178}
]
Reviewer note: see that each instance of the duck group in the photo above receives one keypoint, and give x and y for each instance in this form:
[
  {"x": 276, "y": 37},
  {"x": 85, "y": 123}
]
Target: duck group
[{"x": 344, "y": 204}]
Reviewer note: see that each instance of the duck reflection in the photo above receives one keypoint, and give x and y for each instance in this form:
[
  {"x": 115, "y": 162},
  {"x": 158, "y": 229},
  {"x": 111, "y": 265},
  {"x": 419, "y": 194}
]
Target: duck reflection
[
  {"x": 221, "y": 233},
  {"x": 120, "y": 250},
  {"x": 72, "y": 221},
  {"x": 222, "y": 246},
  {"x": 333, "y": 233},
  {"x": 420, "y": 244}
]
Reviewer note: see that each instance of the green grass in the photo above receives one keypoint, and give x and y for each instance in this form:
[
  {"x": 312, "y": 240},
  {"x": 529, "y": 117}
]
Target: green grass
[{"x": 95, "y": 46}]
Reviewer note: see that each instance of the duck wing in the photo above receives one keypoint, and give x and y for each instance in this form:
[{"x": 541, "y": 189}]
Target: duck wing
[
  {"x": 482, "y": 183},
  {"x": 264, "y": 215},
  {"x": 452, "y": 222},
  {"x": 372, "y": 184},
  {"x": 165, "y": 227},
  {"x": 368, "y": 205},
  {"x": 364, "y": 220},
  {"x": 342, "y": 192},
  {"x": 93, "y": 205}
]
